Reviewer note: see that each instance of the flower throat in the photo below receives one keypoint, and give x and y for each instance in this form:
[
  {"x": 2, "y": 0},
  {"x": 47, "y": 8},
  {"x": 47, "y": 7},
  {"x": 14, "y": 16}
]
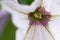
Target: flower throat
[{"x": 40, "y": 15}]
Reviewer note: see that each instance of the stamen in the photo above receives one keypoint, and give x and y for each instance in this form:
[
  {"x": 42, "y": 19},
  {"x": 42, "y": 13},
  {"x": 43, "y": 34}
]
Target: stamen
[
  {"x": 36, "y": 15},
  {"x": 40, "y": 16}
]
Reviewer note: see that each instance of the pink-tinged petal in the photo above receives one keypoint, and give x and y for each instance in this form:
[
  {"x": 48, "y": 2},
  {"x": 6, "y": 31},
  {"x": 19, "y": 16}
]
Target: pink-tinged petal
[
  {"x": 52, "y": 6},
  {"x": 3, "y": 12},
  {"x": 38, "y": 32},
  {"x": 54, "y": 27},
  {"x": 4, "y": 16}
]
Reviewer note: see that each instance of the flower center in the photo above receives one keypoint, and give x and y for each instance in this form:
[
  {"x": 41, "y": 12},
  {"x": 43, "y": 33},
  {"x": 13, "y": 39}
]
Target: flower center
[
  {"x": 40, "y": 15},
  {"x": 37, "y": 16}
]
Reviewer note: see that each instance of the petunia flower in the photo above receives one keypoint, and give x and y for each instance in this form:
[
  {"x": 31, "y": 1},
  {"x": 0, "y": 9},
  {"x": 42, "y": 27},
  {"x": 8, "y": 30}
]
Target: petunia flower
[{"x": 38, "y": 21}]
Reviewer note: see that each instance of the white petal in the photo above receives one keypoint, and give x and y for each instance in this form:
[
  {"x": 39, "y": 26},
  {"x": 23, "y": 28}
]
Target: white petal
[
  {"x": 52, "y": 6},
  {"x": 22, "y": 8},
  {"x": 21, "y": 21},
  {"x": 54, "y": 27},
  {"x": 38, "y": 32},
  {"x": 20, "y": 34}
]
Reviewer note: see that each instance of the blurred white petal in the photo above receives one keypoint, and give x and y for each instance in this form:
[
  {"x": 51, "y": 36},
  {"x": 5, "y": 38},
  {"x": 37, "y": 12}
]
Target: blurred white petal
[
  {"x": 21, "y": 21},
  {"x": 54, "y": 27},
  {"x": 20, "y": 34},
  {"x": 22, "y": 8},
  {"x": 52, "y": 6}
]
